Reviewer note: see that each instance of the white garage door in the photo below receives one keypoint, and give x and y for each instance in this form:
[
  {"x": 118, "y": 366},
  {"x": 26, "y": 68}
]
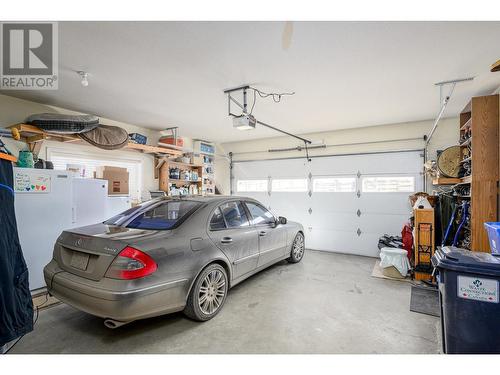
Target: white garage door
[{"x": 345, "y": 203}]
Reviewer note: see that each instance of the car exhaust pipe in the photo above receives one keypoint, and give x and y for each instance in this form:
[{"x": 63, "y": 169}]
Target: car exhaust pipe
[{"x": 112, "y": 324}]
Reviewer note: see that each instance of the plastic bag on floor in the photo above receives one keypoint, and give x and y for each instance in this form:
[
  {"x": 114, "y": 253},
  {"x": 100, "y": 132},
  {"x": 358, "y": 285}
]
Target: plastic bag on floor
[{"x": 397, "y": 258}]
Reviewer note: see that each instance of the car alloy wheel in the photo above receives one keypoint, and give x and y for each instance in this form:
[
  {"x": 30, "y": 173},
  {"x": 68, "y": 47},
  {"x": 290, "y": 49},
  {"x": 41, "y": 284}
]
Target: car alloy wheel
[
  {"x": 208, "y": 294},
  {"x": 212, "y": 292},
  {"x": 298, "y": 248}
]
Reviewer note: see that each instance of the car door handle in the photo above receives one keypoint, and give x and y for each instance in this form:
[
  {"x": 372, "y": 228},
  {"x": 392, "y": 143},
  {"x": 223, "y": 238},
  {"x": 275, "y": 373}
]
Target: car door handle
[
  {"x": 226, "y": 240},
  {"x": 262, "y": 233}
]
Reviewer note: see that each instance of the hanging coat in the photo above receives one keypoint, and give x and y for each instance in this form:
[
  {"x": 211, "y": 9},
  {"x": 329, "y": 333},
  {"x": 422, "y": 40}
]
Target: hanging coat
[{"x": 16, "y": 306}]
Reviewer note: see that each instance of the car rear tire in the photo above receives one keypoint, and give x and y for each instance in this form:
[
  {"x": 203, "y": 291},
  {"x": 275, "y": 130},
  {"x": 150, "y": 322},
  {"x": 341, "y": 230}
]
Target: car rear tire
[
  {"x": 298, "y": 249},
  {"x": 208, "y": 293}
]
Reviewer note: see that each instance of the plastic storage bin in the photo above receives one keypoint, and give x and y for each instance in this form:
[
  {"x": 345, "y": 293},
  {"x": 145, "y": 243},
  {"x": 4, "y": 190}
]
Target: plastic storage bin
[
  {"x": 469, "y": 299},
  {"x": 138, "y": 138},
  {"x": 493, "y": 230}
]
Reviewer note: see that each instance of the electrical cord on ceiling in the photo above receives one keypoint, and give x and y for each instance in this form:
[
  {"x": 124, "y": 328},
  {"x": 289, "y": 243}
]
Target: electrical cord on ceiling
[{"x": 275, "y": 96}]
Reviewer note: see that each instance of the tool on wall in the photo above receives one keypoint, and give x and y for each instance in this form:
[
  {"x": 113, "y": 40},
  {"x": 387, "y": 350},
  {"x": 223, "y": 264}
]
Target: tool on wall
[{"x": 246, "y": 120}]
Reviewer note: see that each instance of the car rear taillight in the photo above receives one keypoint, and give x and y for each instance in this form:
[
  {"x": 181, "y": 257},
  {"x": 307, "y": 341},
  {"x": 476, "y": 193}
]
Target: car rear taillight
[{"x": 131, "y": 264}]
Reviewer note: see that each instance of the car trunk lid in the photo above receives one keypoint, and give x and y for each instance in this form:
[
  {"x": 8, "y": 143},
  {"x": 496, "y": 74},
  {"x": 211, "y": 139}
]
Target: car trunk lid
[{"x": 89, "y": 251}]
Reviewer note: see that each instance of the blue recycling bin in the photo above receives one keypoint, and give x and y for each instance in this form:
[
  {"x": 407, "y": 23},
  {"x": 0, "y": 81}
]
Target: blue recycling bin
[{"x": 469, "y": 299}]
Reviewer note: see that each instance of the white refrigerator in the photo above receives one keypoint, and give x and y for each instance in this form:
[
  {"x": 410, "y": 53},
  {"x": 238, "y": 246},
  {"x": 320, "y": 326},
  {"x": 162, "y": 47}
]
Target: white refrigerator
[
  {"x": 50, "y": 201},
  {"x": 44, "y": 208}
]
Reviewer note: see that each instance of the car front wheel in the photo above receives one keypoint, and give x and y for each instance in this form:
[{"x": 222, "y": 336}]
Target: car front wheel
[
  {"x": 208, "y": 293},
  {"x": 298, "y": 248}
]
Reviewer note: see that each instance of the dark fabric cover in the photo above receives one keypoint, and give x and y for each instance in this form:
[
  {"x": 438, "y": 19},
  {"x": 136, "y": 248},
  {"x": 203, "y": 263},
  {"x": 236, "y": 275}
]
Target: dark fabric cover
[
  {"x": 63, "y": 124},
  {"x": 16, "y": 306},
  {"x": 106, "y": 137},
  {"x": 447, "y": 205}
]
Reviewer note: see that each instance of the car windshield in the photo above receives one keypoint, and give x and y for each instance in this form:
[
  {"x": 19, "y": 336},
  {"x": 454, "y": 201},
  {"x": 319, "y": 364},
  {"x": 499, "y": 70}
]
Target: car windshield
[{"x": 155, "y": 216}]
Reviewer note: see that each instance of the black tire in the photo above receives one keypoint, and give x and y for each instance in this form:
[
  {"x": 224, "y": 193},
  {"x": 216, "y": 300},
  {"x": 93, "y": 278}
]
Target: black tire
[
  {"x": 298, "y": 249},
  {"x": 200, "y": 311}
]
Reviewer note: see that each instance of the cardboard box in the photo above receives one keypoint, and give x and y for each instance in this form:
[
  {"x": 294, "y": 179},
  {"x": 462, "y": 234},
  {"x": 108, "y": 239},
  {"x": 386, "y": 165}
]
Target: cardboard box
[
  {"x": 117, "y": 179},
  {"x": 196, "y": 159}
]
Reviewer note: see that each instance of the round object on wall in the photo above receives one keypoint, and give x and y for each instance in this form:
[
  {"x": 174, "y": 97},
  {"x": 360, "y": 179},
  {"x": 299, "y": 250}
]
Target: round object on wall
[{"x": 448, "y": 162}]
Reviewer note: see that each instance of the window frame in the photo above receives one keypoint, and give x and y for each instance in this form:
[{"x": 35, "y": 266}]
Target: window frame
[
  {"x": 93, "y": 155},
  {"x": 253, "y": 191},
  {"x": 388, "y": 176},
  {"x": 225, "y": 223},
  {"x": 211, "y": 217},
  {"x": 272, "y": 190},
  {"x": 246, "y": 202},
  {"x": 351, "y": 177}
]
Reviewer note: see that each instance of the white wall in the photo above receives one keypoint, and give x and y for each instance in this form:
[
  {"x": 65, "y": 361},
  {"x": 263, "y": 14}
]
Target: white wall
[
  {"x": 394, "y": 137},
  {"x": 13, "y": 111}
]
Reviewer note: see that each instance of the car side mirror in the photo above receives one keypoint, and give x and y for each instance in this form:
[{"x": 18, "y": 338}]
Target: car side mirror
[{"x": 282, "y": 220}]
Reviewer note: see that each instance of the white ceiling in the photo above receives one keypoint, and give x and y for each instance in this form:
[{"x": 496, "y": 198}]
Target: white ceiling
[{"x": 345, "y": 74}]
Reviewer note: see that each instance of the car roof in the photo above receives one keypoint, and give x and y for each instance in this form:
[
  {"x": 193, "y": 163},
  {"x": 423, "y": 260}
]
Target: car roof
[{"x": 204, "y": 199}]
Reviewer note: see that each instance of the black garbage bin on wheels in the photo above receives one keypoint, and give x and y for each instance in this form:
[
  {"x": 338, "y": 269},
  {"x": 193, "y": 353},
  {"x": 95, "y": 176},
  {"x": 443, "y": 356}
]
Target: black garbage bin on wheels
[{"x": 469, "y": 299}]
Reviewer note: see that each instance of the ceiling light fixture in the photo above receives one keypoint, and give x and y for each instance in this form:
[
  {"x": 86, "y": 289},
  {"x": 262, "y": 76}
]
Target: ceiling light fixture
[{"x": 84, "y": 78}]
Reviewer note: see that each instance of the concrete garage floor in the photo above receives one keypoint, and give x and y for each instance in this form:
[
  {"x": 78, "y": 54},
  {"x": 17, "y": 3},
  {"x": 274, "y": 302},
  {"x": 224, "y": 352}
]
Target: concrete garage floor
[{"x": 328, "y": 303}]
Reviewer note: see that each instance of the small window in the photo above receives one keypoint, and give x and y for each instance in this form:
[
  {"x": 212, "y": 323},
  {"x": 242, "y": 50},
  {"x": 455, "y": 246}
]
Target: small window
[
  {"x": 91, "y": 162},
  {"x": 388, "y": 184},
  {"x": 217, "y": 221},
  {"x": 251, "y": 186},
  {"x": 293, "y": 185},
  {"x": 234, "y": 215},
  {"x": 334, "y": 184},
  {"x": 259, "y": 215}
]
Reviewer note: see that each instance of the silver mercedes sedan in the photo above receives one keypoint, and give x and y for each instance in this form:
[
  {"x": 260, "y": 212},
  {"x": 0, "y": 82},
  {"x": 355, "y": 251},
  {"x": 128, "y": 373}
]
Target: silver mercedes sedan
[{"x": 167, "y": 255}]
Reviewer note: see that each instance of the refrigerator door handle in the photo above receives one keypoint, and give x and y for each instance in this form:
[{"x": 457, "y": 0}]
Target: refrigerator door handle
[{"x": 73, "y": 215}]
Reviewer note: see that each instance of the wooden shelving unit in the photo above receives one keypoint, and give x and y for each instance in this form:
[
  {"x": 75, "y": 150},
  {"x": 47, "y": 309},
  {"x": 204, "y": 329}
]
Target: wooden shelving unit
[
  {"x": 481, "y": 118},
  {"x": 166, "y": 182},
  {"x": 207, "y": 151},
  {"x": 34, "y": 137}
]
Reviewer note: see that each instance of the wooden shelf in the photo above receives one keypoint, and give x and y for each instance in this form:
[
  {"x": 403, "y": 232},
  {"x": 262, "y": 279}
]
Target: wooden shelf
[
  {"x": 185, "y": 165},
  {"x": 445, "y": 181},
  {"x": 33, "y": 136},
  {"x": 467, "y": 124},
  {"x": 176, "y": 181},
  {"x": 466, "y": 180},
  {"x": 147, "y": 149}
]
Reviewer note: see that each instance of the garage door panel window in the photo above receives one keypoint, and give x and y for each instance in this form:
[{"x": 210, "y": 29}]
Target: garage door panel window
[
  {"x": 251, "y": 186},
  {"x": 259, "y": 215},
  {"x": 334, "y": 185},
  {"x": 388, "y": 184},
  {"x": 291, "y": 185},
  {"x": 234, "y": 215}
]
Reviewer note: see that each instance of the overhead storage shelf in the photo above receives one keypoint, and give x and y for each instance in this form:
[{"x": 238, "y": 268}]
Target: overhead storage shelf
[{"x": 34, "y": 137}]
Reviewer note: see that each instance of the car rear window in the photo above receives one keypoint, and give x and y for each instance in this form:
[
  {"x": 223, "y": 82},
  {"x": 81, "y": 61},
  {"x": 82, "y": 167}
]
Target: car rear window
[{"x": 163, "y": 216}]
